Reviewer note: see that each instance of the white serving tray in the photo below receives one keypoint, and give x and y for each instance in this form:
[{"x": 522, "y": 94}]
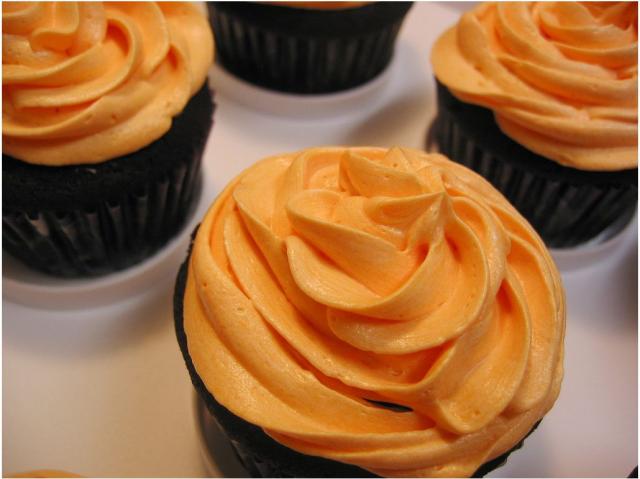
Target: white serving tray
[{"x": 93, "y": 379}]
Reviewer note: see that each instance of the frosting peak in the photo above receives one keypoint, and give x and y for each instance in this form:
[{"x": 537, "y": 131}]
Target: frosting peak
[
  {"x": 561, "y": 77},
  {"x": 368, "y": 275},
  {"x": 85, "y": 82}
]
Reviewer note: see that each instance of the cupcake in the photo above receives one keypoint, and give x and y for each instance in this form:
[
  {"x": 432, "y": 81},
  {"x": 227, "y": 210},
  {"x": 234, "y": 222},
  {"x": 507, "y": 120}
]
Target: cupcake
[
  {"x": 105, "y": 115},
  {"x": 366, "y": 311},
  {"x": 541, "y": 99},
  {"x": 306, "y": 47}
]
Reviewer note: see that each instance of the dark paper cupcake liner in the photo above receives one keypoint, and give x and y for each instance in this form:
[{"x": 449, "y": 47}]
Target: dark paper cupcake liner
[
  {"x": 303, "y": 50},
  {"x": 259, "y": 454},
  {"x": 566, "y": 206},
  {"x": 96, "y": 219},
  {"x": 110, "y": 237}
]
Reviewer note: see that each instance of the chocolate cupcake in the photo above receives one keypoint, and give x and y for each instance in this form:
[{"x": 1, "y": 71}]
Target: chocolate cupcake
[
  {"x": 105, "y": 112},
  {"x": 306, "y": 47},
  {"x": 364, "y": 311},
  {"x": 541, "y": 99}
]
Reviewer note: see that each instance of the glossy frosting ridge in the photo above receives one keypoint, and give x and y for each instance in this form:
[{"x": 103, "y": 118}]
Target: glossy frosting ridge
[
  {"x": 326, "y": 282},
  {"x": 560, "y": 77},
  {"x": 85, "y": 82}
]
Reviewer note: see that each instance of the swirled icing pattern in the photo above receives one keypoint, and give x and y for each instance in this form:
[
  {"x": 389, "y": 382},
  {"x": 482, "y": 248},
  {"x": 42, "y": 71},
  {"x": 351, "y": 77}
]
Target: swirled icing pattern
[
  {"x": 561, "y": 77},
  {"x": 328, "y": 279},
  {"x": 87, "y": 82}
]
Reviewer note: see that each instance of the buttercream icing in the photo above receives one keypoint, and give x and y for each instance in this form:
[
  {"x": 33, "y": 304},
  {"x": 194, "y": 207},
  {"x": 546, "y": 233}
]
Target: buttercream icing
[
  {"x": 324, "y": 282},
  {"x": 560, "y": 77},
  {"x": 85, "y": 82},
  {"x": 44, "y": 473}
]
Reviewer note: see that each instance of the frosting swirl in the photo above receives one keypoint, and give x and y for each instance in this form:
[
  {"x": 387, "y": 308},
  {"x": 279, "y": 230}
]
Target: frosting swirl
[
  {"x": 85, "y": 82},
  {"x": 560, "y": 77},
  {"x": 353, "y": 277}
]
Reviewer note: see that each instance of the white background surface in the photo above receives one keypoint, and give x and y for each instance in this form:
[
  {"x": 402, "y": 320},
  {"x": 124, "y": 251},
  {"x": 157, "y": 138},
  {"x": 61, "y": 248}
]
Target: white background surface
[{"x": 103, "y": 391}]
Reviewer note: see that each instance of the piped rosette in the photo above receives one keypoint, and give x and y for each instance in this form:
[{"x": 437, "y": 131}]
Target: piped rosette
[
  {"x": 560, "y": 77},
  {"x": 86, "y": 82},
  {"x": 383, "y": 308}
]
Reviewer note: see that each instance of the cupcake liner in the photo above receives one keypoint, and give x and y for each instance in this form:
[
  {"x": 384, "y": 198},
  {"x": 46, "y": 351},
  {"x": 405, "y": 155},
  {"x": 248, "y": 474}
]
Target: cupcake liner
[
  {"x": 88, "y": 220},
  {"x": 259, "y": 454},
  {"x": 111, "y": 236},
  {"x": 566, "y": 206},
  {"x": 302, "y": 50}
]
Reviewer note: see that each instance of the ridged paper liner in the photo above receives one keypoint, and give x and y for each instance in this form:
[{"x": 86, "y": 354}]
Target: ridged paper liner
[
  {"x": 87, "y": 220},
  {"x": 261, "y": 455},
  {"x": 567, "y": 207},
  {"x": 109, "y": 237},
  {"x": 269, "y": 54}
]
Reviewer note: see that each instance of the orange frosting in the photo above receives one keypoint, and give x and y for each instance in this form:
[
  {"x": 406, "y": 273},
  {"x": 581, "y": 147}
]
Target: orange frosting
[
  {"x": 85, "y": 82},
  {"x": 323, "y": 280},
  {"x": 561, "y": 77},
  {"x": 44, "y": 473}
]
